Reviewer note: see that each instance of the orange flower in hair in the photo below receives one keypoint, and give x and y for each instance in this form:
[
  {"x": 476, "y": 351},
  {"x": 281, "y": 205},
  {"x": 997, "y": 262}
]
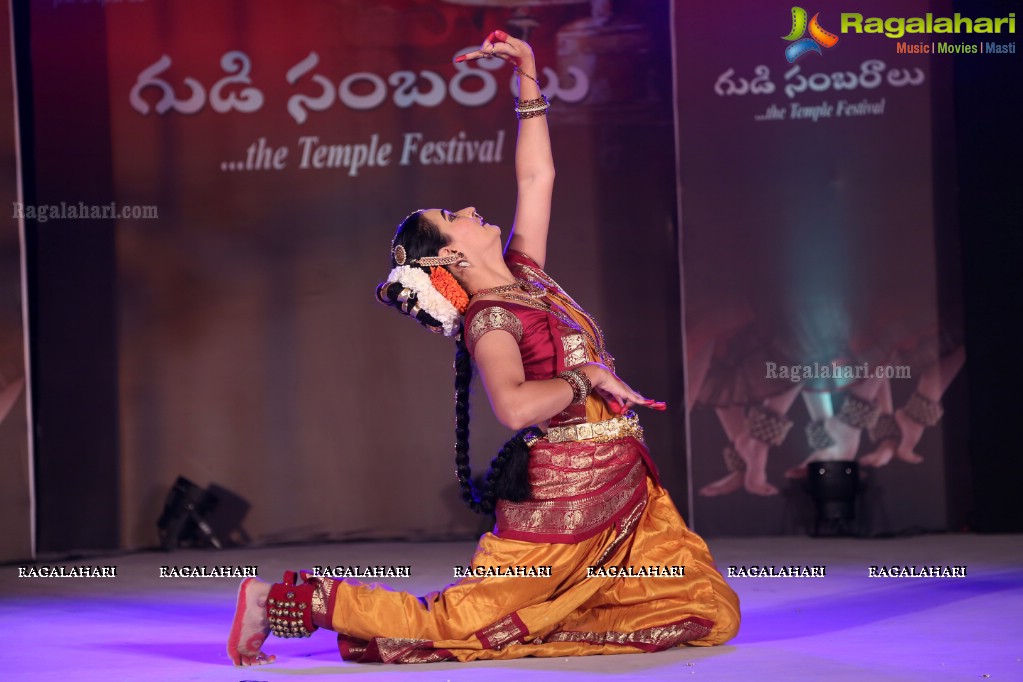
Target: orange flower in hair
[{"x": 448, "y": 287}]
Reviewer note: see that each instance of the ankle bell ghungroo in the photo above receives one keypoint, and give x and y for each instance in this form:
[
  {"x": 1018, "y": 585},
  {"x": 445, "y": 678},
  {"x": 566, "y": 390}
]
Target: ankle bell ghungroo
[
  {"x": 922, "y": 410},
  {"x": 767, "y": 426},
  {"x": 886, "y": 428},
  {"x": 733, "y": 460},
  {"x": 289, "y": 608},
  {"x": 817, "y": 436},
  {"x": 858, "y": 413}
]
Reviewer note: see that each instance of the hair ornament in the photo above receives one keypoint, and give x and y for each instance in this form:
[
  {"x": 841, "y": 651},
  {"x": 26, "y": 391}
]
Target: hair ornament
[
  {"x": 448, "y": 287},
  {"x": 427, "y": 298},
  {"x": 437, "y": 261}
]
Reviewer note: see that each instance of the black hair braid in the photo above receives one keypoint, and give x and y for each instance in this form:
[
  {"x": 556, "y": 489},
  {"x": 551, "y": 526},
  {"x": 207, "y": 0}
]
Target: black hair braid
[
  {"x": 463, "y": 378},
  {"x": 388, "y": 294},
  {"x": 508, "y": 477}
]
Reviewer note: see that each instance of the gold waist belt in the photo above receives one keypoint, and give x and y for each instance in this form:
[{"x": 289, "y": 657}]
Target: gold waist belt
[{"x": 599, "y": 432}]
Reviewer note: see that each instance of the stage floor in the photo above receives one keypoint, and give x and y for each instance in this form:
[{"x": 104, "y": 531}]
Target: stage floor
[{"x": 844, "y": 626}]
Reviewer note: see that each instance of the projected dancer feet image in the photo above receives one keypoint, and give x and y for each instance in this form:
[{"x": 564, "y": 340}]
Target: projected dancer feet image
[
  {"x": 835, "y": 435},
  {"x": 751, "y": 405},
  {"x": 898, "y": 431},
  {"x": 588, "y": 554},
  {"x": 752, "y": 430}
]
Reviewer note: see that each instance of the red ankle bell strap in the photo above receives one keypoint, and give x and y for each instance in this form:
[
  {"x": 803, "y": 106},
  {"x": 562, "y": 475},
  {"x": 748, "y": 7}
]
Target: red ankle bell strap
[{"x": 289, "y": 608}]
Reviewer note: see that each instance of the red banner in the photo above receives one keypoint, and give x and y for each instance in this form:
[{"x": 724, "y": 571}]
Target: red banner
[{"x": 281, "y": 144}]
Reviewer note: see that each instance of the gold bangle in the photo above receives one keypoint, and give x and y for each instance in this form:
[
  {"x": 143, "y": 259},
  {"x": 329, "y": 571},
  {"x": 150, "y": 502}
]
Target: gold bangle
[
  {"x": 580, "y": 384},
  {"x": 526, "y": 110},
  {"x": 529, "y": 108},
  {"x": 531, "y": 114},
  {"x": 530, "y": 102}
]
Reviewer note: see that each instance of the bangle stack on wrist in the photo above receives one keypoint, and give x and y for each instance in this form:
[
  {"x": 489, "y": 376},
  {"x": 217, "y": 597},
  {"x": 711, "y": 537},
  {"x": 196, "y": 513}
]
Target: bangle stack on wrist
[
  {"x": 528, "y": 108},
  {"x": 580, "y": 384}
]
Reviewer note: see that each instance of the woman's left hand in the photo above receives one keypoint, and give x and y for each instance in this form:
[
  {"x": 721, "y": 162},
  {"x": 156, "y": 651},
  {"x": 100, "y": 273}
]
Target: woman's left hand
[
  {"x": 616, "y": 393},
  {"x": 500, "y": 44}
]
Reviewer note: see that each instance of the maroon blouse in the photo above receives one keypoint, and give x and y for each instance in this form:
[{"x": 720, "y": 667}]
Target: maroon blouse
[{"x": 548, "y": 345}]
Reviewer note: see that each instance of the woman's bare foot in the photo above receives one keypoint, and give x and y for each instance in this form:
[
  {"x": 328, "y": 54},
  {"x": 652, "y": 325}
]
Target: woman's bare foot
[
  {"x": 754, "y": 453},
  {"x": 911, "y": 433},
  {"x": 251, "y": 625},
  {"x": 723, "y": 486},
  {"x": 846, "y": 442},
  {"x": 881, "y": 456}
]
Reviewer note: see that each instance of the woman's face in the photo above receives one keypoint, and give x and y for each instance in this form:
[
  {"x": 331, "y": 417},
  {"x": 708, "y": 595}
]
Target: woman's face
[{"x": 467, "y": 230}]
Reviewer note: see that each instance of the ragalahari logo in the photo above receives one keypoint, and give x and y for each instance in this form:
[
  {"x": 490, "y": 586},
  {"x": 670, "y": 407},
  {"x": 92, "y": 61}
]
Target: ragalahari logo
[{"x": 818, "y": 36}]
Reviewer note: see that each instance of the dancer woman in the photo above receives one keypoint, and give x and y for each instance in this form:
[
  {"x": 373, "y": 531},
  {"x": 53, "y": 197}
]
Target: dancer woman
[{"x": 575, "y": 495}]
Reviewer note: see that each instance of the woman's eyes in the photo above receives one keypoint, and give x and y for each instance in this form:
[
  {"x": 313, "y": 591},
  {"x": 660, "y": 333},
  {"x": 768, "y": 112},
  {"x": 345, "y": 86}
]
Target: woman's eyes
[{"x": 452, "y": 217}]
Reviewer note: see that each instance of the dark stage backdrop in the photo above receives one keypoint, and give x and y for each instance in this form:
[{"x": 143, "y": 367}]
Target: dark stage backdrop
[
  {"x": 281, "y": 143},
  {"x": 814, "y": 233},
  {"x": 15, "y": 478},
  {"x": 232, "y": 336}
]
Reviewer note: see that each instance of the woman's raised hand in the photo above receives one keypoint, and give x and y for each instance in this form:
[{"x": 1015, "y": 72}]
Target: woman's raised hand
[
  {"x": 500, "y": 44},
  {"x": 617, "y": 393}
]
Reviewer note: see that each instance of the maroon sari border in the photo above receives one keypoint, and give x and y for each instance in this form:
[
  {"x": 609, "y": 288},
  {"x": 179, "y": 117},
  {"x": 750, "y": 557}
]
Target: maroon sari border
[
  {"x": 391, "y": 650},
  {"x": 650, "y": 640},
  {"x": 509, "y": 630}
]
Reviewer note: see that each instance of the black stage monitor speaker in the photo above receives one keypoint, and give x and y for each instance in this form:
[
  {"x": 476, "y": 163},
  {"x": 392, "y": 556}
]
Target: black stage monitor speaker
[{"x": 183, "y": 521}]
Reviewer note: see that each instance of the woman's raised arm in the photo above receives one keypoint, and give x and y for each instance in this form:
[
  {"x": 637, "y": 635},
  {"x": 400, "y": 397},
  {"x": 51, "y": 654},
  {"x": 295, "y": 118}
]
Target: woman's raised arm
[{"x": 534, "y": 164}]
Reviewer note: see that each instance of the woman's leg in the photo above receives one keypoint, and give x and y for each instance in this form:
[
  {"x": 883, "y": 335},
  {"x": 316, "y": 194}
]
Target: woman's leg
[
  {"x": 733, "y": 421},
  {"x": 491, "y": 618},
  {"x": 766, "y": 427}
]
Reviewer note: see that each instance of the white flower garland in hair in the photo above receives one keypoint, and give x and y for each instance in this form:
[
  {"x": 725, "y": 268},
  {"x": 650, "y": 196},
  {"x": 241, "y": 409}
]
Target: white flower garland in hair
[{"x": 428, "y": 297}]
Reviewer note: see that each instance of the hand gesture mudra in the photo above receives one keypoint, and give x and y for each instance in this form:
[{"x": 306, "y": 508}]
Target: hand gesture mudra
[
  {"x": 501, "y": 45},
  {"x": 618, "y": 394}
]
